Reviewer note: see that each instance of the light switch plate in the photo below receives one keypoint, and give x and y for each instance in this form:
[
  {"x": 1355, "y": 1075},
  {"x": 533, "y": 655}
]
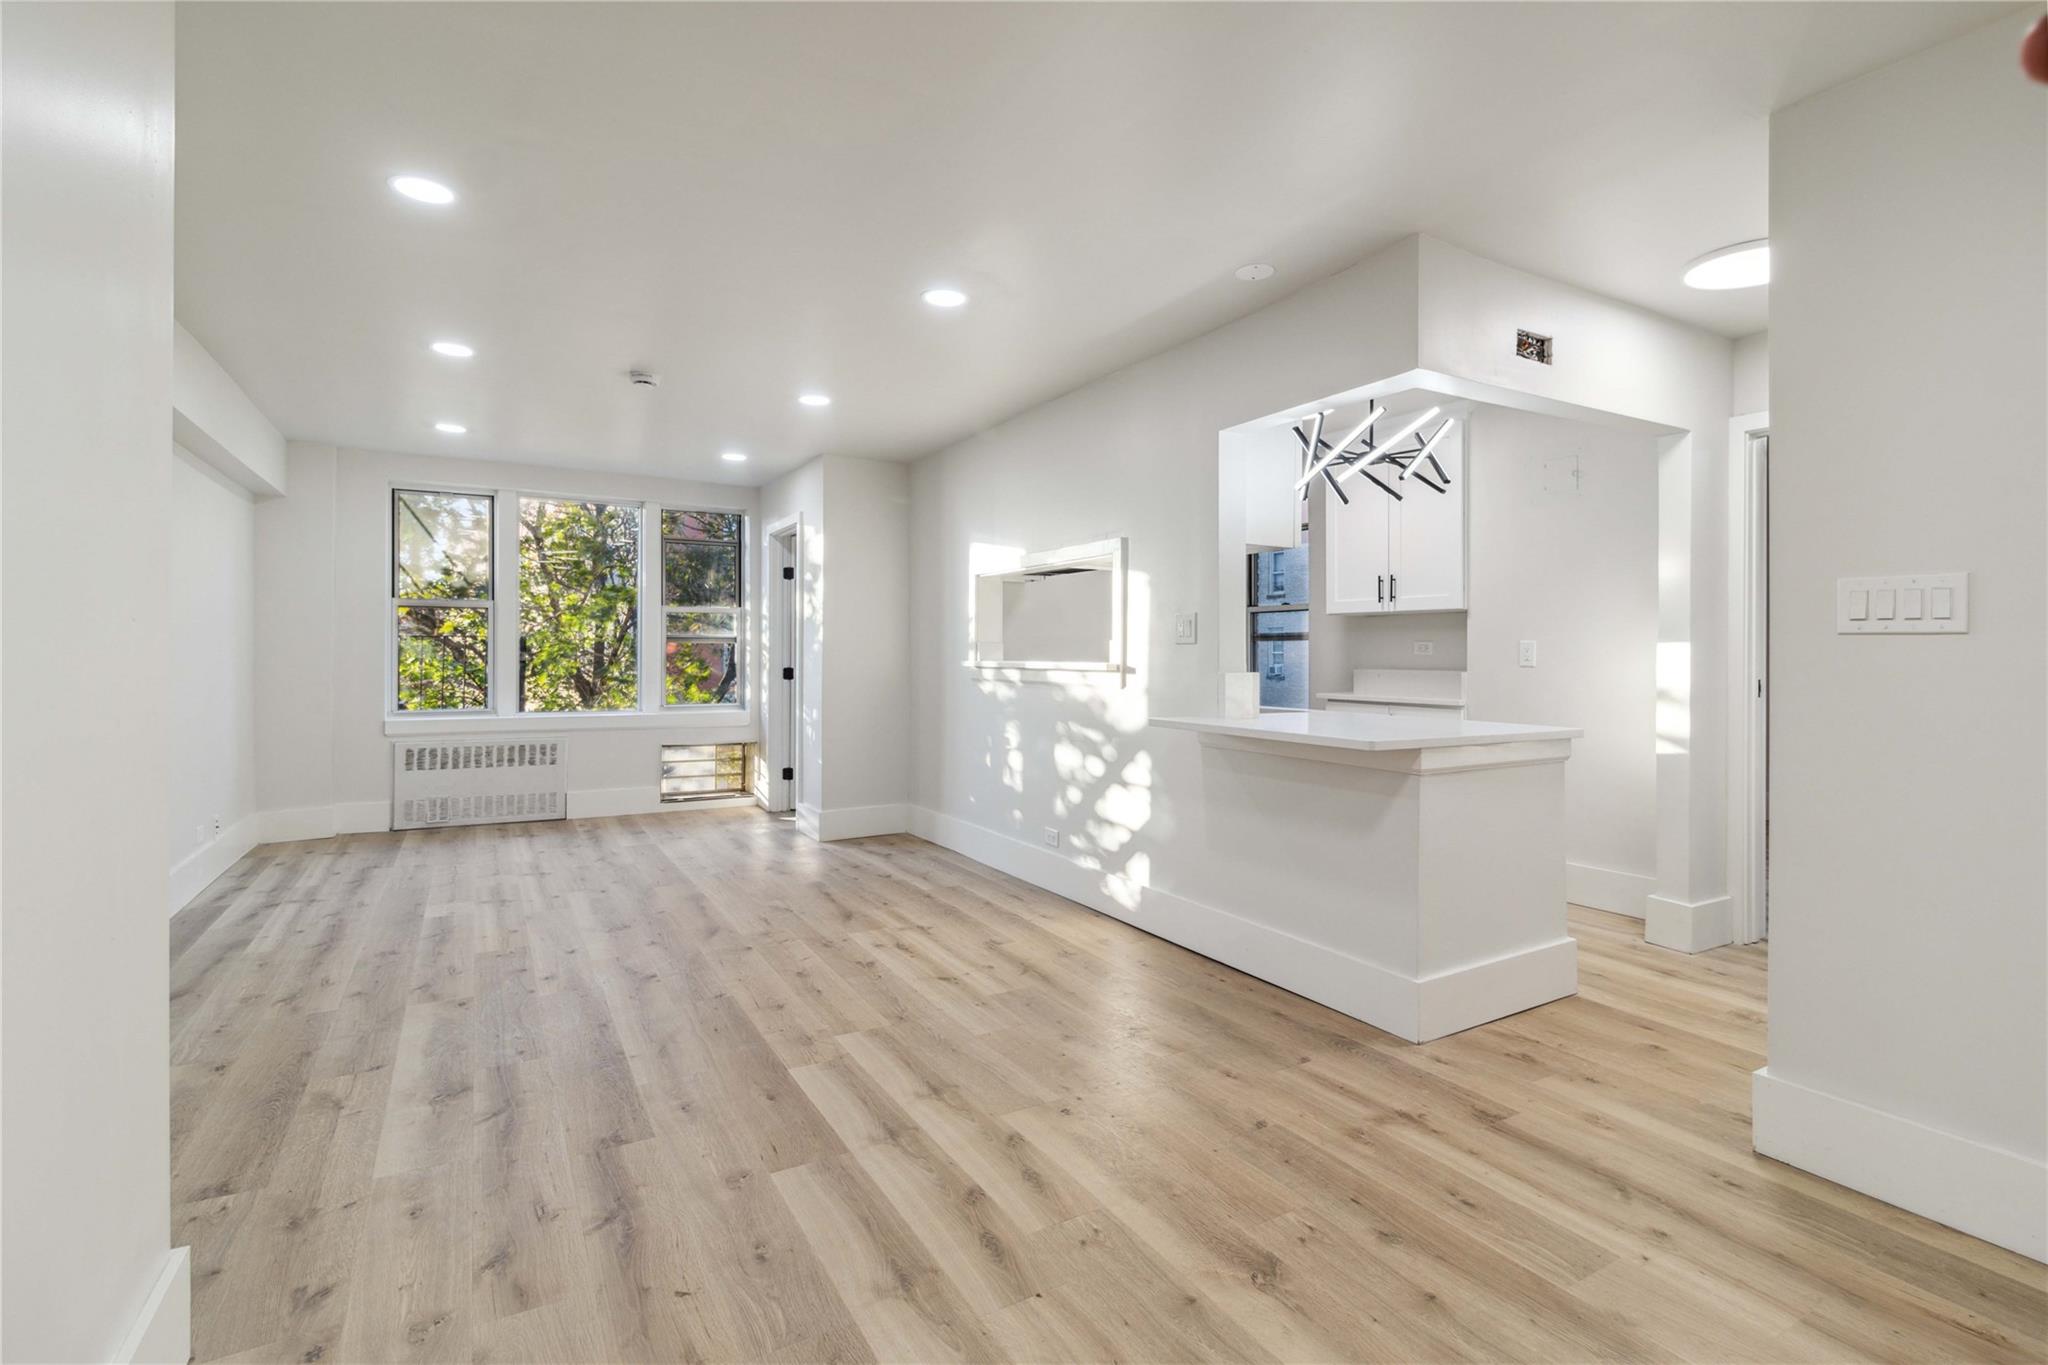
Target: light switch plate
[
  {"x": 1903, "y": 604},
  {"x": 1184, "y": 628}
]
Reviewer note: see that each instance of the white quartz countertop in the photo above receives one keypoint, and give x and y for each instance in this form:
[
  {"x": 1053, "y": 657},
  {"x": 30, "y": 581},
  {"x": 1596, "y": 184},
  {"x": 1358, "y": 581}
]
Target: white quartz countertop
[
  {"x": 1387, "y": 698},
  {"x": 1361, "y": 730}
]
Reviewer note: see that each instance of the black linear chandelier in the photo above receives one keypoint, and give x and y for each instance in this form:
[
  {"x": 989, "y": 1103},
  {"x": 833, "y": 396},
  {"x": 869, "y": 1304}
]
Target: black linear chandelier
[{"x": 1360, "y": 453}]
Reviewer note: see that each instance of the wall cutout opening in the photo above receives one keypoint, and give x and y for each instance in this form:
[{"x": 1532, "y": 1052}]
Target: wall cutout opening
[
  {"x": 700, "y": 772},
  {"x": 1533, "y": 346}
]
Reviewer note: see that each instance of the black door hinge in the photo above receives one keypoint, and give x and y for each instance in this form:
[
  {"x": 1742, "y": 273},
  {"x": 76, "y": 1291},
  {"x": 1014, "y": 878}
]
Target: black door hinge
[
  {"x": 789, "y": 774},
  {"x": 789, "y": 571},
  {"x": 789, "y": 675}
]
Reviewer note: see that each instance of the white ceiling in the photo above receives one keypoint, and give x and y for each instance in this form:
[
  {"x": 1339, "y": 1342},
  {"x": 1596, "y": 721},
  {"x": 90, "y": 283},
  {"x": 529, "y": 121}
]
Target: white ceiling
[{"x": 749, "y": 198}]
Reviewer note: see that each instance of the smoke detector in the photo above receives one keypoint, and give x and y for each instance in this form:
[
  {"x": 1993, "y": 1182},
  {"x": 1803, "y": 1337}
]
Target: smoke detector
[{"x": 646, "y": 379}]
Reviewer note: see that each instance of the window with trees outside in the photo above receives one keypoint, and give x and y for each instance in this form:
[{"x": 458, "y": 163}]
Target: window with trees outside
[
  {"x": 701, "y": 569},
  {"x": 441, "y": 593},
  {"x": 579, "y": 599},
  {"x": 1277, "y": 634}
]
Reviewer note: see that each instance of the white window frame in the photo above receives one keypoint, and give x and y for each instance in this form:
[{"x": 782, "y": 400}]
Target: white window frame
[
  {"x": 503, "y": 714},
  {"x": 656, "y": 655},
  {"x": 489, "y": 604}
]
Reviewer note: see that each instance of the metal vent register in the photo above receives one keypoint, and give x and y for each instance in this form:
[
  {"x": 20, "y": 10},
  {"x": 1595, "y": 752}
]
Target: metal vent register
[{"x": 441, "y": 783}]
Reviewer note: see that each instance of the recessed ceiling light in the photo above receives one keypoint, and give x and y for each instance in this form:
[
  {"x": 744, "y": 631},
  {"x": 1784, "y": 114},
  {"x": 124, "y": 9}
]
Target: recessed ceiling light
[
  {"x": 733, "y": 456},
  {"x": 454, "y": 350},
  {"x": 451, "y": 428},
  {"x": 944, "y": 298},
  {"x": 424, "y": 190},
  {"x": 1742, "y": 266},
  {"x": 815, "y": 400},
  {"x": 1255, "y": 272}
]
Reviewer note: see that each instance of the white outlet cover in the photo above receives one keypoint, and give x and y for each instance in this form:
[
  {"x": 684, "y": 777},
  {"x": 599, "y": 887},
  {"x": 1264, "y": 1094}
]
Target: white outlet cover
[
  {"x": 1425, "y": 646},
  {"x": 1526, "y": 655},
  {"x": 1052, "y": 837}
]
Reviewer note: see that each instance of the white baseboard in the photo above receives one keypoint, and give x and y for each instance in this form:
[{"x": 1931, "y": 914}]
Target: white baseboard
[
  {"x": 1688, "y": 927},
  {"x": 1602, "y": 888},
  {"x": 862, "y": 822},
  {"x": 1987, "y": 1192},
  {"x": 162, "y": 1332},
  {"x": 1415, "y": 1009},
  {"x": 806, "y": 819},
  {"x": 196, "y": 871}
]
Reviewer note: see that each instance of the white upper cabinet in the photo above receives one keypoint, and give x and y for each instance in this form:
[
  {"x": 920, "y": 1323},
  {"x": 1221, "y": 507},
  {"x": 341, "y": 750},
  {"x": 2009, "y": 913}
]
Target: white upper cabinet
[
  {"x": 1384, "y": 555},
  {"x": 1356, "y": 539}
]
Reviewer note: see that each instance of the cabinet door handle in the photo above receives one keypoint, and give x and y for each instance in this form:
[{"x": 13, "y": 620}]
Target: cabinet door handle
[
  {"x": 1379, "y": 588},
  {"x": 1391, "y": 590}
]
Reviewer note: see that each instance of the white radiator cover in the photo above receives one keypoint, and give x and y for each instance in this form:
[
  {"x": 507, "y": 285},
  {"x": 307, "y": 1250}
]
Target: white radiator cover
[{"x": 485, "y": 782}]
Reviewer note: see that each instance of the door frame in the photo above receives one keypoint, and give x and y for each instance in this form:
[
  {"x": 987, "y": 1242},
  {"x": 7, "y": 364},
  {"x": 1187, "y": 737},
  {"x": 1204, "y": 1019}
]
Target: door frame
[
  {"x": 1748, "y": 672},
  {"x": 782, "y": 631}
]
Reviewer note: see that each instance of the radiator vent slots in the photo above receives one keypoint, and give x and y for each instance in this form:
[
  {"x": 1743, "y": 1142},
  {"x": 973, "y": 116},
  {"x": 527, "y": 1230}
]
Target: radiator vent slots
[{"x": 484, "y": 783}]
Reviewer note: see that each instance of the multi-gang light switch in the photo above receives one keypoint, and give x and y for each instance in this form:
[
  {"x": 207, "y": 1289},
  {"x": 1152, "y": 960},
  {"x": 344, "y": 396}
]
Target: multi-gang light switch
[{"x": 1903, "y": 604}]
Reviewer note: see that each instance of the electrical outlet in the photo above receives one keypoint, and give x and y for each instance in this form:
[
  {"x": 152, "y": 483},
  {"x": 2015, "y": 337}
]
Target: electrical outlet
[
  {"x": 216, "y": 827},
  {"x": 1425, "y": 646},
  {"x": 1527, "y": 657},
  {"x": 1052, "y": 837},
  {"x": 1184, "y": 628}
]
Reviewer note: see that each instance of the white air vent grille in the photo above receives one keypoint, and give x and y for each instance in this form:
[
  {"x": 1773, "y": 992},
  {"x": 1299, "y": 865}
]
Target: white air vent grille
[{"x": 442, "y": 783}]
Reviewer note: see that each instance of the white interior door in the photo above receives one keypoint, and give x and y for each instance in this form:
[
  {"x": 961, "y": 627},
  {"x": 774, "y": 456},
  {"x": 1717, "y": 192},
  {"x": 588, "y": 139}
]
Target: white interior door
[
  {"x": 1426, "y": 534},
  {"x": 1355, "y": 549}
]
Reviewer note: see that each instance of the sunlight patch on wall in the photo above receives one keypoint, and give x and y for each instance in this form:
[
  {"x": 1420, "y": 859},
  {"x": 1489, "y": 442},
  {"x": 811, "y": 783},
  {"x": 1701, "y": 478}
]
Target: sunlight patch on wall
[{"x": 1674, "y": 696}]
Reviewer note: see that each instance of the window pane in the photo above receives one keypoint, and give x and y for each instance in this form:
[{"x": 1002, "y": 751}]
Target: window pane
[
  {"x": 715, "y": 624},
  {"x": 700, "y": 672},
  {"x": 700, "y": 525},
  {"x": 1283, "y": 673},
  {"x": 698, "y": 575},
  {"x": 1280, "y": 577},
  {"x": 443, "y": 658},
  {"x": 579, "y": 567},
  {"x": 441, "y": 544},
  {"x": 1266, "y": 624}
]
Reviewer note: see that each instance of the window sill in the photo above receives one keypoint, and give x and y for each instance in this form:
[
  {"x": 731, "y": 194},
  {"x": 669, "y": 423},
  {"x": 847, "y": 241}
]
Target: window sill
[{"x": 711, "y": 717}]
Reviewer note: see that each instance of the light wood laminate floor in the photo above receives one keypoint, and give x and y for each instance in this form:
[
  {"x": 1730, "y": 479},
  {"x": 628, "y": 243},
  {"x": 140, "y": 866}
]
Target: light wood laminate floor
[{"x": 692, "y": 1087}]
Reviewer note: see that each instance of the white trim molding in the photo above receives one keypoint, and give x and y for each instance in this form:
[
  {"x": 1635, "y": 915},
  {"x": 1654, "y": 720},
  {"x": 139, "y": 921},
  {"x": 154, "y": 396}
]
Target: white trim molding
[
  {"x": 197, "y": 870},
  {"x": 1746, "y": 667},
  {"x": 1417, "y": 1009},
  {"x": 1985, "y": 1191},
  {"x": 1603, "y": 888},
  {"x": 162, "y": 1332},
  {"x": 862, "y": 822},
  {"x": 1688, "y": 926},
  {"x": 807, "y": 819}
]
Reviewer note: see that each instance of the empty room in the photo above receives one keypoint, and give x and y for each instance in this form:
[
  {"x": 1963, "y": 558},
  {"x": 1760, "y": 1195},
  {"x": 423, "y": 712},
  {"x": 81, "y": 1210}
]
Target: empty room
[{"x": 1043, "y": 682}]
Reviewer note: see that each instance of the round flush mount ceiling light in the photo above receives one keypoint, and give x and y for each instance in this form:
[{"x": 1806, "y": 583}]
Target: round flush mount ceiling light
[
  {"x": 733, "y": 456},
  {"x": 1255, "y": 273},
  {"x": 425, "y": 191},
  {"x": 944, "y": 297},
  {"x": 815, "y": 400},
  {"x": 1742, "y": 266},
  {"x": 451, "y": 428},
  {"x": 454, "y": 350}
]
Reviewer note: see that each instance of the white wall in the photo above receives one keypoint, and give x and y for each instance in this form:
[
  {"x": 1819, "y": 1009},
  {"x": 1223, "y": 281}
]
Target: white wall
[
  {"x": 1751, "y": 381},
  {"x": 1574, "y": 568},
  {"x": 323, "y": 595},
  {"x": 1908, "y": 790},
  {"x": 867, "y": 648},
  {"x": 1571, "y": 564},
  {"x": 853, "y": 679},
  {"x": 1135, "y": 454},
  {"x": 85, "y": 247},
  {"x": 212, "y": 702}
]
